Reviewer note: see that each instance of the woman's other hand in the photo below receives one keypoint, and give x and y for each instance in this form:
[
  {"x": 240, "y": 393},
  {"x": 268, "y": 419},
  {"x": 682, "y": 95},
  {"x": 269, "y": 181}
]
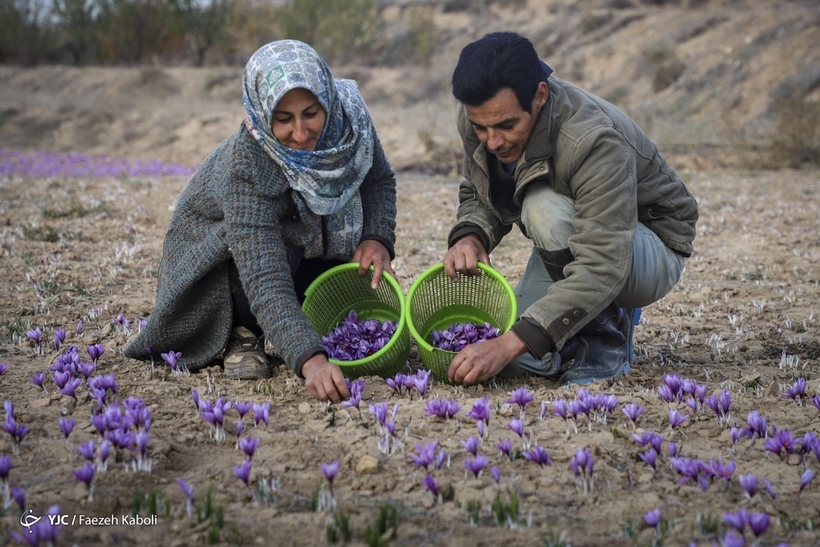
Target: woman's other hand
[
  {"x": 372, "y": 253},
  {"x": 324, "y": 380}
]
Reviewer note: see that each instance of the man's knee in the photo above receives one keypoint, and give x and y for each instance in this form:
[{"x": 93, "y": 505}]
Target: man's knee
[{"x": 547, "y": 216}]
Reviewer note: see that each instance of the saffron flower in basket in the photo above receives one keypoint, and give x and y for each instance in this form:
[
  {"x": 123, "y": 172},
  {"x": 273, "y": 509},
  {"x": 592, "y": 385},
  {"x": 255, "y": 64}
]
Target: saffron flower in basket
[
  {"x": 355, "y": 338},
  {"x": 460, "y": 335}
]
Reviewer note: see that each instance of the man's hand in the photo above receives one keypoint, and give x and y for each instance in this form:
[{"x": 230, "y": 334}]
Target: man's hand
[
  {"x": 464, "y": 257},
  {"x": 483, "y": 360},
  {"x": 324, "y": 380},
  {"x": 371, "y": 252}
]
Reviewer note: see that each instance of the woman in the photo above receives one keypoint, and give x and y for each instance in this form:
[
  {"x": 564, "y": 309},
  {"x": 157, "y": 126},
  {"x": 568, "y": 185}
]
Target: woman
[{"x": 302, "y": 186}]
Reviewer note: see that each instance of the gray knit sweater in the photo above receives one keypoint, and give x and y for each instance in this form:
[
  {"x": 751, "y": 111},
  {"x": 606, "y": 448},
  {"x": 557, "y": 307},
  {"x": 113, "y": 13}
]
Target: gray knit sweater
[{"x": 238, "y": 204}]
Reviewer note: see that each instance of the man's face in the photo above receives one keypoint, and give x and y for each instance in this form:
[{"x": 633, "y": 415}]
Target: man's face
[{"x": 503, "y": 126}]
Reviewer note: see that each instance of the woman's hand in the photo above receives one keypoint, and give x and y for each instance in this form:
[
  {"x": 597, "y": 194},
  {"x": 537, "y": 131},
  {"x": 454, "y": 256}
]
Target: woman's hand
[
  {"x": 324, "y": 380},
  {"x": 372, "y": 253},
  {"x": 464, "y": 257}
]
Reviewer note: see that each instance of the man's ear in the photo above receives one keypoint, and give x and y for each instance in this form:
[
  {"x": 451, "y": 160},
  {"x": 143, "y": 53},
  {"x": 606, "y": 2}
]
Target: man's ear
[{"x": 541, "y": 95}]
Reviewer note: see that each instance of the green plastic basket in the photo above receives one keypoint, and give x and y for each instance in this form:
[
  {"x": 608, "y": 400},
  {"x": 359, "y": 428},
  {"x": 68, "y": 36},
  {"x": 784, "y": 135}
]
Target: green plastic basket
[
  {"x": 331, "y": 296},
  {"x": 435, "y": 302}
]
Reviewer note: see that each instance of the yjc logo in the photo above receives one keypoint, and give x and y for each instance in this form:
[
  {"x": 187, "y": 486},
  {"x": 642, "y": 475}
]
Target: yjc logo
[{"x": 29, "y": 519}]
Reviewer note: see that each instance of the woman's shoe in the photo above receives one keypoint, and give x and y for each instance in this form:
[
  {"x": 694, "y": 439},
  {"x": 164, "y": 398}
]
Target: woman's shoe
[{"x": 245, "y": 357}]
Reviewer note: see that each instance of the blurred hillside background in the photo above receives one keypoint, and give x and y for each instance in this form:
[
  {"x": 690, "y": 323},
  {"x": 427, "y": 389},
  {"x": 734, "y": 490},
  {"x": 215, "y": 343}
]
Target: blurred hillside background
[{"x": 717, "y": 83}]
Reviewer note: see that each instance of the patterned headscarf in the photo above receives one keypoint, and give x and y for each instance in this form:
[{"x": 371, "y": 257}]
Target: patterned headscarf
[{"x": 328, "y": 178}]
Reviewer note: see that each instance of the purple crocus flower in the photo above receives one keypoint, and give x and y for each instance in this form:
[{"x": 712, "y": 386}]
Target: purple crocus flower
[
  {"x": 442, "y": 459},
  {"x": 736, "y": 520},
  {"x": 769, "y": 488},
  {"x": 758, "y": 523},
  {"x": 442, "y": 408},
  {"x": 330, "y": 470},
  {"x": 505, "y": 446},
  {"x": 652, "y": 518},
  {"x": 816, "y": 401},
  {"x": 172, "y": 359},
  {"x": 249, "y": 446},
  {"x": 95, "y": 352},
  {"x": 35, "y": 336},
  {"x": 559, "y": 408},
  {"x": 59, "y": 338},
  {"x": 805, "y": 479},
  {"x": 261, "y": 413},
  {"x": 520, "y": 397},
  {"x": 650, "y": 458},
  {"x": 732, "y": 539},
  {"x": 70, "y": 388},
  {"x": 430, "y": 483},
  {"x": 471, "y": 445},
  {"x": 517, "y": 427},
  {"x": 690, "y": 469},
  {"x": 476, "y": 465},
  {"x": 425, "y": 454},
  {"x": 5, "y": 467},
  {"x": 61, "y": 378},
  {"x": 243, "y": 472},
  {"x": 797, "y": 391},
  {"x": 379, "y": 411},
  {"x": 86, "y": 369},
  {"x": 480, "y": 411},
  {"x": 496, "y": 474},
  {"x": 633, "y": 412},
  {"x": 86, "y": 474},
  {"x": 79, "y": 327},
  {"x": 673, "y": 449},
  {"x": 19, "y": 497},
  {"x": 66, "y": 426},
  {"x": 538, "y": 455},
  {"x": 420, "y": 381},
  {"x": 692, "y": 403},
  {"x": 781, "y": 441},
  {"x": 749, "y": 484},
  {"x": 37, "y": 379},
  {"x": 86, "y": 450},
  {"x": 242, "y": 407},
  {"x": 722, "y": 470},
  {"x": 188, "y": 490},
  {"x": 676, "y": 418},
  {"x": 757, "y": 425},
  {"x": 581, "y": 463},
  {"x": 665, "y": 393},
  {"x": 482, "y": 429}
]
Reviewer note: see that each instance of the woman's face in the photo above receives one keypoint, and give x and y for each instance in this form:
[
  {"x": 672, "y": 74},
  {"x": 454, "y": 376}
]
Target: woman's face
[{"x": 298, "y": 120}]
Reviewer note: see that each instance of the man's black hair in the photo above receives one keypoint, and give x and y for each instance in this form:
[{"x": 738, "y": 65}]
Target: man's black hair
[{"x": 496, "y": 61}]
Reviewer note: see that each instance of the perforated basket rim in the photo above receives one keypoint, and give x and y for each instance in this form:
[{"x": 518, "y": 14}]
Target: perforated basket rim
[
  {"x": 433, "y": 270},
  {"x": 402, "y": 312}
]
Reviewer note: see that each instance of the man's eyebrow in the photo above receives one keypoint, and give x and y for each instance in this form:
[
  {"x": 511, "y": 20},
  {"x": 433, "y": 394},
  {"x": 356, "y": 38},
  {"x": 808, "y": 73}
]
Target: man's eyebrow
[{"x": 505, "y": 121}]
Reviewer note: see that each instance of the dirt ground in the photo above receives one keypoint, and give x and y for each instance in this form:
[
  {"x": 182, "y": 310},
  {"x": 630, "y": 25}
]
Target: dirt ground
[{"x": 741, "y": 320}]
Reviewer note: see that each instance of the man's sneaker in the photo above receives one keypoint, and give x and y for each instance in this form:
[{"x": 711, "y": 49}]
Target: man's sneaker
[{"x": 245, "y": 357}]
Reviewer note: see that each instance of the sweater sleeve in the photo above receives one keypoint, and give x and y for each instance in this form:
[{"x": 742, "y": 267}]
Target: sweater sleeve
[{"x": 255, "y": 201}]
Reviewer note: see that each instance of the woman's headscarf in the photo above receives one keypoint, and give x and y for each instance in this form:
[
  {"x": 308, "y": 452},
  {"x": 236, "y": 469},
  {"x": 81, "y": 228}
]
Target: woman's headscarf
[{"x": 327, "y": 178}]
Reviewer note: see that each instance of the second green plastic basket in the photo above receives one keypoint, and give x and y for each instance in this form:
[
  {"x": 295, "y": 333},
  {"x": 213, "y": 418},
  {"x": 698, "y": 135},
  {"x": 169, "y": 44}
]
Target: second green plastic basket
[
  {"x": 435, "y": 302},
  {"x": 333, "y": 294}
]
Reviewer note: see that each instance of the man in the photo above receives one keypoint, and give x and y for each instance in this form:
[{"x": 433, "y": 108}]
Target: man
[{"x": 610, "y": 221}]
